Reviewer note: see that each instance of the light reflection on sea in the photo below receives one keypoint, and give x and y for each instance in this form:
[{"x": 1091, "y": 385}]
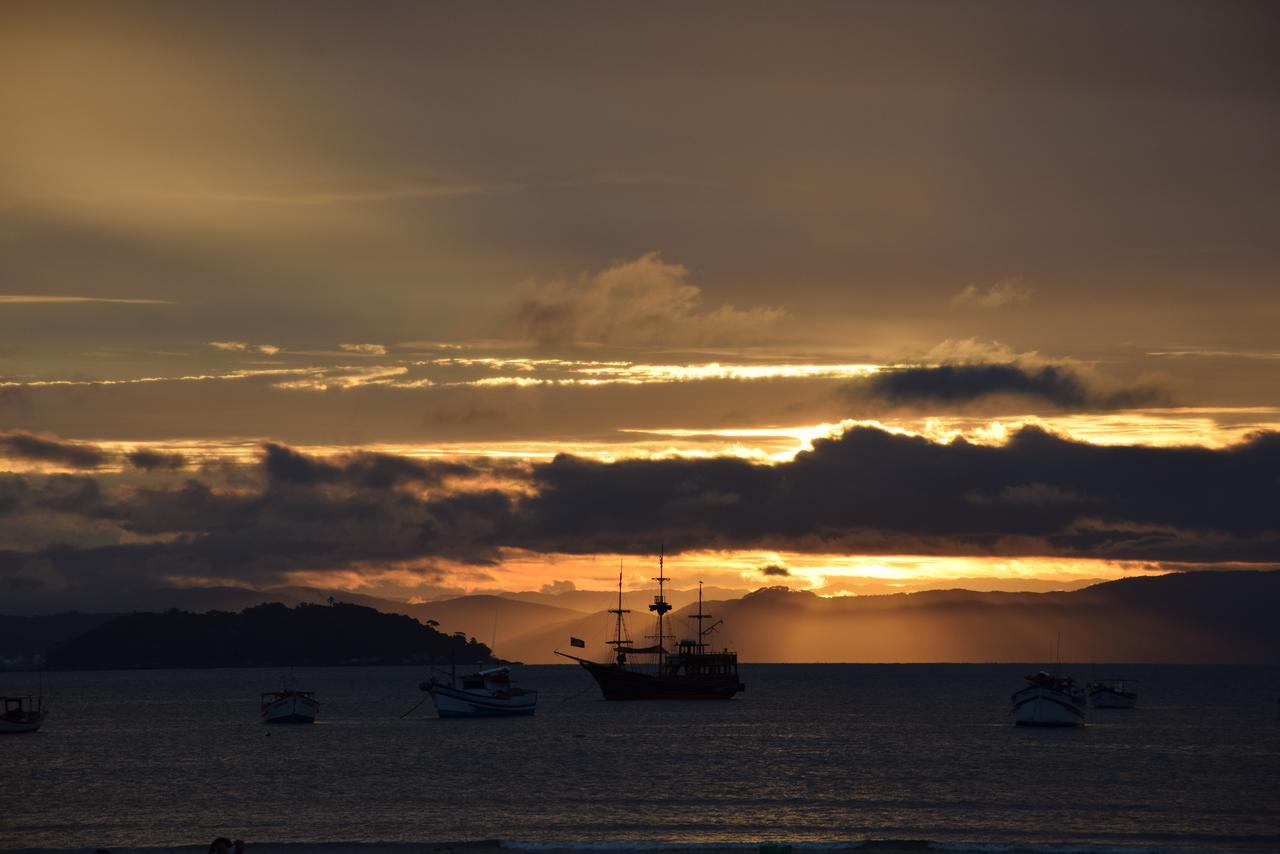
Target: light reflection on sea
[{"x": 815, "y": 753}]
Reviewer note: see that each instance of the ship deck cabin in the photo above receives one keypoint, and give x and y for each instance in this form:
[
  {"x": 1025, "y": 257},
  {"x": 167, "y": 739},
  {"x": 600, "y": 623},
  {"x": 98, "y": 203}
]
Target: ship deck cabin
[{"x": 689, "y": 661}]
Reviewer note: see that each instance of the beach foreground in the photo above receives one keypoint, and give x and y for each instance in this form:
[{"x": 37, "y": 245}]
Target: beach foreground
[{"x": 878, "y": 846}]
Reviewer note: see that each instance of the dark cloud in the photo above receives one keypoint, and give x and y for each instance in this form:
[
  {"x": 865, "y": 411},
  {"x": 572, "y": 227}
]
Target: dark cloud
[
  {"x": 385, "y": 471},
  {"x": 76, "y": 494},
  {"x": 868, "y": 491},
  {"x": 1059, "y": 385},
  {"x": 283, "y": 465},
  {"x": 149, "y": 460},
  {"x": 774, "y": 569},
  {"x": 51, "y": 449},
  {"x": 297, "y": 512},
  {"x": 874, "y": 491}
]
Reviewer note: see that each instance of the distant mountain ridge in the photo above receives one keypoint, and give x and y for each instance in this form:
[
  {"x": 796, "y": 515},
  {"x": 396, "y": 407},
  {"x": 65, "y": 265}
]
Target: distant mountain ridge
[
  {"x": 264, "y": 635},
  {"x": 1192, "y": 617}
]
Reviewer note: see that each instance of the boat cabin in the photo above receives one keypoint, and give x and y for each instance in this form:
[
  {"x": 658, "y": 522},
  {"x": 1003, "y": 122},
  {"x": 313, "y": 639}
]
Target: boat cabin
[
  {"x": 1051, "y": 682},
  {"x": 493, "y": 679},
  {"x": 270, "y": 697},
  {"x": 19, "y": 708}
]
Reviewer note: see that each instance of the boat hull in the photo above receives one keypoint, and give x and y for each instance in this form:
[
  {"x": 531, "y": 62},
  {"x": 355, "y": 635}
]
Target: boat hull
[
  {"x": 456, "y": 703},
  {"x": 29, "y": 723},
  {"x": 1105, "y": 698},
  {"x": 291, "y": 710},
  {"x": 618, "y": 684},
  {"x": 1040, "y": 706}
]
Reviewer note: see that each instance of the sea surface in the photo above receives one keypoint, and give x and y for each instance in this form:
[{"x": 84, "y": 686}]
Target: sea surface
[{"x": 830, "y": 754}]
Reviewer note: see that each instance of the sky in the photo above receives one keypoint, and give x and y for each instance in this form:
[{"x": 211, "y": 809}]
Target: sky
[{"x": 422, "y": 299}]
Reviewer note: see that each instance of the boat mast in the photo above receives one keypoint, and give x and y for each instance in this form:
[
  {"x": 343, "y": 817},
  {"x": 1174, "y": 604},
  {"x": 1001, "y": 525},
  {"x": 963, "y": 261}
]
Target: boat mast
[
  {"x": 660, "y": 604},
  {"x": 619, "y": 626}
]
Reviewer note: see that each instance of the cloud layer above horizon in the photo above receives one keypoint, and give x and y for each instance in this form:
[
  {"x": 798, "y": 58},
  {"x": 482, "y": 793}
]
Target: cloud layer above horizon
[{"x": 867, "y": 491}]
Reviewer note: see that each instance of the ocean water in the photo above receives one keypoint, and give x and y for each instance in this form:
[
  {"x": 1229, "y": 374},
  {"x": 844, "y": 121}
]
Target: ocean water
[{"x": 809, "y": 754}]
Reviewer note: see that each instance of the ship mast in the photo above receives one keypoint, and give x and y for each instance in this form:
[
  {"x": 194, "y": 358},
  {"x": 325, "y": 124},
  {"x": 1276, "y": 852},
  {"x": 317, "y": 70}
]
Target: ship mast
[
  {"x": 620, "y": 627},
  {"x": 660, "y": 604},
  {"x": 702, "y": 632}
]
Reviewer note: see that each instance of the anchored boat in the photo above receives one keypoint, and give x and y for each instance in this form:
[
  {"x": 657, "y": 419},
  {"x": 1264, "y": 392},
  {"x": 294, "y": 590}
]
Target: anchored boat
[
  {"x": 486, "y": 694},
  {"x": 1049, "y": 701},
  {"x": 21, "y": 714},
  {"x": 1112, "y": 694},
  {"x": 691, "y": 672},
  {"x": 289, "y": 707}
]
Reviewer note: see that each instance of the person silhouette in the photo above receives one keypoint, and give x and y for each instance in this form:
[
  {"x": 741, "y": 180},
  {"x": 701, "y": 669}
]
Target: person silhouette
[{"x": 221, "y": 845}]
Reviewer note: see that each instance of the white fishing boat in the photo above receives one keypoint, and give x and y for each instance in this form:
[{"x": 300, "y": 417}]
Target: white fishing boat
[
  {"x": 21, "y": 714},
  {"x": 1112, "y": 693},
  {"x": 488, "y": 693},
  {"x": 1049, "y": 701},
  {"x": 289, "y": 707}
]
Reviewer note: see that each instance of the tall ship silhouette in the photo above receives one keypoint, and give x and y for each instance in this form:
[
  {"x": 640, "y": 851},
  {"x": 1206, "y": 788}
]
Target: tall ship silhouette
[{"x": 688, "y": 673}]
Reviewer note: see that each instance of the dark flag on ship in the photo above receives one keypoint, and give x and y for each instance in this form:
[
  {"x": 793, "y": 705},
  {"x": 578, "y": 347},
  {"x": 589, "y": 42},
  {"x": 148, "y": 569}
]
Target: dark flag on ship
[{"x": 577, "y": 642}]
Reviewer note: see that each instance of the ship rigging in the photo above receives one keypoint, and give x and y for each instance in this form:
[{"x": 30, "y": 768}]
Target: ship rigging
[{"x": 688, "y": 673}]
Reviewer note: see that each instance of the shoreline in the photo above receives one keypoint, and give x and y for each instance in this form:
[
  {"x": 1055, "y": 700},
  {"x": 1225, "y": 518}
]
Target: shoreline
[{"x": 494, "y": 846}]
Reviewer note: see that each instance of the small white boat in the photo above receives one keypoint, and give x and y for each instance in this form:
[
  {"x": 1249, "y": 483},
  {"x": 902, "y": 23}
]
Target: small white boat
[
  {"x": 1112, "y": 694},
  {"x": 1049, "y": 701},
  {"x": 488, "y": 693},
  {"x": 21, "y": 714},
  {"x": 289, "y": 707}
]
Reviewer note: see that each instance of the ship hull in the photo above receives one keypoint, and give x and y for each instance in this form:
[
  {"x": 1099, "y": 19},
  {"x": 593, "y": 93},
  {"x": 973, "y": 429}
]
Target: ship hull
[{"x": 618, "y": 684}]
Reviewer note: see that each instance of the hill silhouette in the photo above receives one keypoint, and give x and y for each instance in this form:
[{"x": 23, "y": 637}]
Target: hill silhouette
[
  {"x": 24, "y": 640},
  {"x": 265, "y": 635},
  {"x": 1191, "y": 617},
  {"x": 1188, "y": 617}
]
